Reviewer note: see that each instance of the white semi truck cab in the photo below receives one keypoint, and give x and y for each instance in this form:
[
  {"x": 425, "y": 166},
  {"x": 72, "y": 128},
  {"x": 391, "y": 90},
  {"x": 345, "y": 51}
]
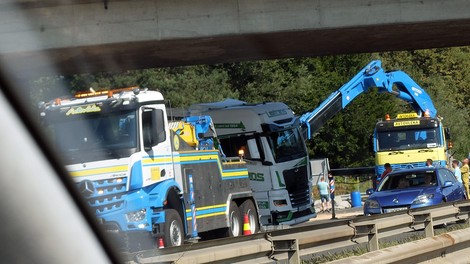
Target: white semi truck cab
[{"x": 267, "y": 137}]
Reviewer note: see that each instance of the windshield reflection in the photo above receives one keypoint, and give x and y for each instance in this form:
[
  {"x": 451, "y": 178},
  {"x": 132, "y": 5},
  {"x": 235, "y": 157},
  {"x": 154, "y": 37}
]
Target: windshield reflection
[
  {"x": 286, "y": 145},
  {"x": 94, "y": 136}
]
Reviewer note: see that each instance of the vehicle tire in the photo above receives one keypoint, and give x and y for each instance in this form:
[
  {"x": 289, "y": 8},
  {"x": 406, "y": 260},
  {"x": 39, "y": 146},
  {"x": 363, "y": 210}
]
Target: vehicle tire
[
  {"x": 248, "y": 208},
  {"x": 235, "y": 228},
  {"x": 173, "y": 231}
]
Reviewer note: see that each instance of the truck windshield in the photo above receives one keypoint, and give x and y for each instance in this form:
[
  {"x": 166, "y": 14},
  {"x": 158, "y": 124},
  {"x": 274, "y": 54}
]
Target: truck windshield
[
  {"x": 286, "y": 145},
  {"x": 94, "y": 136},
  {"x": 408, "y": 139}
]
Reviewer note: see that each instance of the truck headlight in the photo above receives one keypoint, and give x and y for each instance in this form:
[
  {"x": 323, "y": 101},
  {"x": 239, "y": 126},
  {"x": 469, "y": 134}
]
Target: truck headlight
[
  {"x": 136, "y": 216},
  {"x": 372, "y": 204},
  {"x": 422, "y": 199}
]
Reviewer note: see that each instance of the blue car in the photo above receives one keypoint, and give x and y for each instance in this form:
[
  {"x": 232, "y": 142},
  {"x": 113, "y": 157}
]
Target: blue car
[{"x": 414, "y": 188}]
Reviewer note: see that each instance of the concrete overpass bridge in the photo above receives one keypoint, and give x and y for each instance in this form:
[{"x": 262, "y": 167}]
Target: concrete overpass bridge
[{"x": 76, "y": 36}]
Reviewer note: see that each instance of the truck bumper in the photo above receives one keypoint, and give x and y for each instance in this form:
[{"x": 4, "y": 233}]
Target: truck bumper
[
  {"x": 134, "y": 215},
  {"x": 292, "y": 218},
  {"x": 132, "y": 241},
  {"x": 295, "y": 220}
]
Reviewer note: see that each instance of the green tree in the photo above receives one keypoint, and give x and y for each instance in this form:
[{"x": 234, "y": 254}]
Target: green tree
[
  {"x": 181, "y": 86},
  {"x": 303, "y": 84}
]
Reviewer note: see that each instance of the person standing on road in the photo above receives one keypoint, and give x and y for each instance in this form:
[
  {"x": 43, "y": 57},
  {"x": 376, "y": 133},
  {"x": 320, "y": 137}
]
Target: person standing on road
[
  {"x": 324, "y": 189},
  {"x": 457, "y": 172},
  {"x": 464, "y": 170}
]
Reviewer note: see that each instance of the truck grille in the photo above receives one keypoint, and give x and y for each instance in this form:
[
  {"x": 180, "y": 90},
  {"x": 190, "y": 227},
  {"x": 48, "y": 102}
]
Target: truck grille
[
  {"x": 104, "y": 196},
  {"x": 402, "y": 166},
  {"x": 297, "y": 186},
  {"x": 409, "y": 165}
]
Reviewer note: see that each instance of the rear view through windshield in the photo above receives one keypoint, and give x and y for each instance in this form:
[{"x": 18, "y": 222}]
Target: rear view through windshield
[{"x": 407, "y": 180}]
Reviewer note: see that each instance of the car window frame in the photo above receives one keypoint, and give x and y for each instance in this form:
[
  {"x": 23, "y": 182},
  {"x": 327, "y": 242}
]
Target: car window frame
[{"x": 446, "y": 175}]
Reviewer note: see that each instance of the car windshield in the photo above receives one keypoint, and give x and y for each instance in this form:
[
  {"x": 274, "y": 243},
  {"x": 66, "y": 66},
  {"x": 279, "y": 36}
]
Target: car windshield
[
  {"x": 408, "y": 139},
  {"x": 287, "y": 145},
  {"x": 408, "y": 180}
]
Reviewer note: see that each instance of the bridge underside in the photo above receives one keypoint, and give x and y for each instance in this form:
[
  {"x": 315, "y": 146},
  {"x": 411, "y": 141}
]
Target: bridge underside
[{"x": 234, "y": 48}]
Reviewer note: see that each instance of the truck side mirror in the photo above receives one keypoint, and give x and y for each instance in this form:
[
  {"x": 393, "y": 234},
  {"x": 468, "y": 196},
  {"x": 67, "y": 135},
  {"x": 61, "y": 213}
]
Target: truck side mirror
[
  {"x": 447, "y": 133},
  {"x": 153, "y": 127},
  {"x": 158, "y": 118},
  {"x": 253, "y": 148},
  {"x": 371, "y": 143}
]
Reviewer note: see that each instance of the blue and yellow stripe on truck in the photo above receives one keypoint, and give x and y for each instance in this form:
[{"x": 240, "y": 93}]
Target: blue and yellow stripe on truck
[
  {"x": 207, "y": 211},
  {"x": 198, "y": 157}
]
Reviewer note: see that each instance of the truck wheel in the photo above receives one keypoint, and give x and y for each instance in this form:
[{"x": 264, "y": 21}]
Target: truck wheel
[
  {"x": 248, "y": 208},
  {"x": 173, "y": 233},
  {"x": 235, "y": 228}
]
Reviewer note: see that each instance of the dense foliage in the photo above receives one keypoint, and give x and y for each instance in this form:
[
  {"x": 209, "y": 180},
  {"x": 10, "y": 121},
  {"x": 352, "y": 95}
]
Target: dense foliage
[{"x": 303, "y": 84}]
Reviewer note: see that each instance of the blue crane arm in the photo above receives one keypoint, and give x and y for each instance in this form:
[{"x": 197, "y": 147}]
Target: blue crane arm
[{"x": 371, "y": 75}]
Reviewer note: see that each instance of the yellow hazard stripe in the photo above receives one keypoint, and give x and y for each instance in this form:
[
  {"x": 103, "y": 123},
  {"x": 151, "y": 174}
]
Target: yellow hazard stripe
[
  {"x": 235, "y": 174},
  {"x": 89, "y": 172},
  {"x": 208, "y": 207},
  {"x": 201, "y": 210},
  {"x": 193, "y": 158},
  {"x": 205, "y": 215},
  {"x": 156, "y": 160},
  {"x": 180, "y": 158}
]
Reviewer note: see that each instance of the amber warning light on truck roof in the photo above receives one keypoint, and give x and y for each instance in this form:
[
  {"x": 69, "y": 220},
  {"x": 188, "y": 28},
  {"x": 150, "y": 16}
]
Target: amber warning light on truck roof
[
  {"x": 104, "y": 92},
  {"x": 426, "y": 113}
]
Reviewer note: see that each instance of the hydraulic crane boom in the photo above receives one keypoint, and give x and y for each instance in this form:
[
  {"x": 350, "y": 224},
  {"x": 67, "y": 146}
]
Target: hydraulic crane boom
[{"x": 370, "y": 76}]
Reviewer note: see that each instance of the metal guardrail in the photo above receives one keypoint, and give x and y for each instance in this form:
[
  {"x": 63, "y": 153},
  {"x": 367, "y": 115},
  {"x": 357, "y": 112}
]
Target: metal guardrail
[
  {"x": 452, "y": 247},
  {"x": 310, "y": 240}
]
